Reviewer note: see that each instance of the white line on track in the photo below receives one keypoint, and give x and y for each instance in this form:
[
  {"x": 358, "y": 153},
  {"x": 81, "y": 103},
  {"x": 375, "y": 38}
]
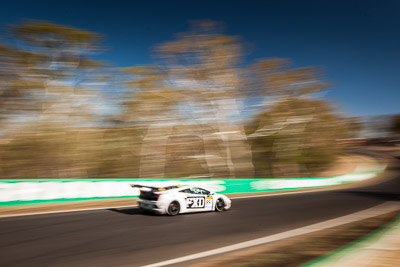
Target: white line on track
[{"x": 371, "y": 212}]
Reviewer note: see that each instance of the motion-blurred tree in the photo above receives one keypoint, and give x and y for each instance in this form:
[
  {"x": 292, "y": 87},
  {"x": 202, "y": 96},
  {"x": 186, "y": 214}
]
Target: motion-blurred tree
[
  {"x": 296, "y": 137},
  {"x": 149, "y": 99},
  {"x": 203, "y": 63},
  {"x": 19, "y": 82},
  {"x": 395, "y": 128},
  {"x": 150, "y": 102},
  {"x": 63, "y": 66},
  {"x": 47, "y": 87},
  {"x": 183, "y": 114},
  {"x": 285, "y": 91}
]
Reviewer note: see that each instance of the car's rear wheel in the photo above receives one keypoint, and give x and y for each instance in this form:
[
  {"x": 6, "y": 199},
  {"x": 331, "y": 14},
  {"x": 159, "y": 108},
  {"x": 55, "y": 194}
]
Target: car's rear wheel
[
  {"x": 220, "y": 205},
  {"x": 174, "y": 208}
]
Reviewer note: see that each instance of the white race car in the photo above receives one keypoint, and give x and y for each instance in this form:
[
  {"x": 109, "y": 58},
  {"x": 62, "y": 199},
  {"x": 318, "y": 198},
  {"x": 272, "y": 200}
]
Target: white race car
[{"x": 173, "y": 200}]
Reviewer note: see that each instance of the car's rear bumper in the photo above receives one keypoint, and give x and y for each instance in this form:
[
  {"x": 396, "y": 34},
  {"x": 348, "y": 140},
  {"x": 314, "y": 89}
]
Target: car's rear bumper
[{"x": 150, "y": 205}]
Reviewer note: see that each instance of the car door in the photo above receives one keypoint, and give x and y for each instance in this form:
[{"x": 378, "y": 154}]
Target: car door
[
  {"x": 198, "y": 200},
  {"x": 193, "y": 202}
]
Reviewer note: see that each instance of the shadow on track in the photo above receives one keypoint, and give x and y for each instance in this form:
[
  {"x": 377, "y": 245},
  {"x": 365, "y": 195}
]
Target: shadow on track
[{"x": 132, "y": 211}]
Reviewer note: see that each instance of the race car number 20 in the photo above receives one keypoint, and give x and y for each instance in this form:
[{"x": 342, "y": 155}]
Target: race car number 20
[{"x": 195, "y": 202}]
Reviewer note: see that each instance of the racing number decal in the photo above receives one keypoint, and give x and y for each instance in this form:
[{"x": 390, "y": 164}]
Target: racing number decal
[
  {"x": 208, "y": 203},
  {"x": 195, "y": 202}
]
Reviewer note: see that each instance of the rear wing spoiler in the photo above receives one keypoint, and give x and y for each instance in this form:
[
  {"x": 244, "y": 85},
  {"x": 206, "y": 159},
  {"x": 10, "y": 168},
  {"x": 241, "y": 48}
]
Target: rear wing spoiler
[
  {"x": 139, "y": 186},
  {"x": 155, "y": 188}
]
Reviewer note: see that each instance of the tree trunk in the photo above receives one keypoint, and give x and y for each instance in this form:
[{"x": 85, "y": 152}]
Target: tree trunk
[{"x": 153, "y": 151}]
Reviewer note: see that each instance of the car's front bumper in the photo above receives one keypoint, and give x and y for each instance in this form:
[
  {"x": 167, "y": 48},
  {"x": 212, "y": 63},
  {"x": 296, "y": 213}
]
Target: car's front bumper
[{"x": 228, "y": 203}]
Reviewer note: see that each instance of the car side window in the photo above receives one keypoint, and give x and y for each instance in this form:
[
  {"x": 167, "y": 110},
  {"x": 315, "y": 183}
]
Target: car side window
[
  {"x": 186, "y": 191},
  {"x": 194, "y": 190},
  {"x": 199, "y": 191}
]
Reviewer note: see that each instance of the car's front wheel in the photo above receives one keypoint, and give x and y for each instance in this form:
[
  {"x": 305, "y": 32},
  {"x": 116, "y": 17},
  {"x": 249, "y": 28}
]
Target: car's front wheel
[
  {"x": 220, "y": 205},
  {"x": 174, "y": 208}
]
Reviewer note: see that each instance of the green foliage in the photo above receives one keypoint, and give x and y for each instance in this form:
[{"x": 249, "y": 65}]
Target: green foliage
[
  {"x": 296, "y": 136},
  {"x": 272, "y": 77},
  {"x": 55, "y": 37}
]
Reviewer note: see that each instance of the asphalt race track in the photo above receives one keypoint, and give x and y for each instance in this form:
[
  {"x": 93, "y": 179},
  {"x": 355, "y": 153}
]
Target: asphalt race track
[{"x": 125, "y": 237}]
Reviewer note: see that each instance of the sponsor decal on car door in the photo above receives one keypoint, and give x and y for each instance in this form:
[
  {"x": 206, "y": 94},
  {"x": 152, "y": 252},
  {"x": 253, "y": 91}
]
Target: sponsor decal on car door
[{"x": 195, "y": 202}]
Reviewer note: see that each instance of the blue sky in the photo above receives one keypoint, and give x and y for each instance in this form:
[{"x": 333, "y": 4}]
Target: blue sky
[{"x": 357, "y": 42}]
